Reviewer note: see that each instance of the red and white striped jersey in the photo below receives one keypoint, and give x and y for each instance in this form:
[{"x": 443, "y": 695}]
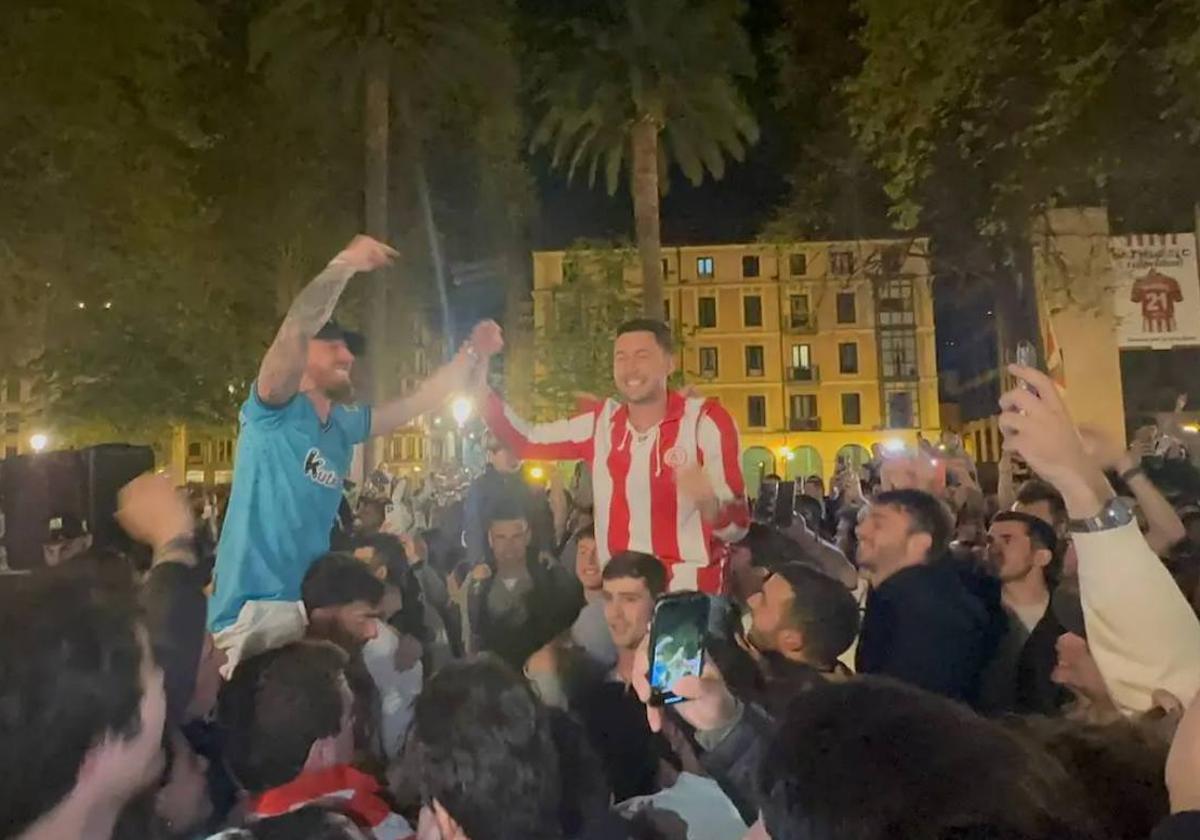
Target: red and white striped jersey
[{"x": 638, "y": 506}]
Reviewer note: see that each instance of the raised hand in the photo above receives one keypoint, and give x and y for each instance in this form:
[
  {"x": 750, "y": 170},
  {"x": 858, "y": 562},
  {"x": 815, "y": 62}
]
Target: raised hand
[
  {"x": 708, "y": 704},
  {"x": 366, "y": 254},
  {"x": 487, "y": 338},
  {"x": 153, "y": 512}
]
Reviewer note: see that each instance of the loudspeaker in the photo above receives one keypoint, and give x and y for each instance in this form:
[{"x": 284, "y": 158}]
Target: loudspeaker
[{"x": 80, "y": 482}]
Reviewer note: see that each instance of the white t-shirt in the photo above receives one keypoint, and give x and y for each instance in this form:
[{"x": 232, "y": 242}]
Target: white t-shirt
[{"x": 1030, "y": 614}]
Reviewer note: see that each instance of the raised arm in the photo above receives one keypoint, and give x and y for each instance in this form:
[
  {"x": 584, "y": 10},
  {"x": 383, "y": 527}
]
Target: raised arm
[
  {"x": 562, "y": 440},
  {"x": 283, "y": 365}
]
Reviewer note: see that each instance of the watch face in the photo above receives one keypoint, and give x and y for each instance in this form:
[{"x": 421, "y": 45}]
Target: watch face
[{"x": 1117, "y": 512}]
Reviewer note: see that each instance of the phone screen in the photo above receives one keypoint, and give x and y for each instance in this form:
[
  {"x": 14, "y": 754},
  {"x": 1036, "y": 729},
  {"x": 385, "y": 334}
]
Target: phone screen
[{"x": 677, "y": 637}]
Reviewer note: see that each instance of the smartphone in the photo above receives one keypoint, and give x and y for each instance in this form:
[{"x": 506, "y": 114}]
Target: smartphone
[
  {"x": 776, "y": 503},
  {"x": 678, "y": 636},
  {"x": 1027, "y": 356}
]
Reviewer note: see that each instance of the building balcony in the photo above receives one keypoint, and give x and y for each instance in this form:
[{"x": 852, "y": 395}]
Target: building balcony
[
  {"x": 812, "y": 373},
  {"x": 804, "y": 424}
]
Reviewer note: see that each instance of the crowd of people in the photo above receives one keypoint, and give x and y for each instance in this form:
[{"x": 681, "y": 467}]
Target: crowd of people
[{"x": 899, "y": 655}]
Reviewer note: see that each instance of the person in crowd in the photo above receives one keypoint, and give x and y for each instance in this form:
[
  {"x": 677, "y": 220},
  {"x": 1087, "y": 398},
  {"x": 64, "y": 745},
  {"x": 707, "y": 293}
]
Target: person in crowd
[
  {"x": 342, "y": 598},
  {"x": 499, "y": 603},
  {"x": 67, "y": 538},
  {"x": 1162, "y": 526},
  {"x": 729, "y": 733},
  {"x": 612, "y": 713},
  {"x": 82, "y": 707},
  {"x": 802, "y": 622},
  {"x": 872, "y": 783},
  {"x": 1141, "y": 631},
  {"x": 312, "y": 822},
  {"x": 666, "y": 472},
  {"x": 590, "y": 630},
  {"x": 1021, "y": 553},
  {"x": 289, "y": 720},
  {"x": 764, "y": 547},
  {"x": 503, "y": 482},
  {"x": 480, "y": 781},
  {"x": 441, "y": 619},
  {"x": 298, "y": 428},
  {"x": 921, "y": 625},
  {"x": 370, "y": 516}
]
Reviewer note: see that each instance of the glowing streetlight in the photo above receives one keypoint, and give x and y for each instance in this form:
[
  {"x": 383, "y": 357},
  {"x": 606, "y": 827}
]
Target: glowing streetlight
[
  {"x": 894, "y": 445},
  {"x": 786, "y": 453},
  {"x": 537, "y": 473},
  {"x": 461, "y": 408},
  {"x": 38, "y": 441}
]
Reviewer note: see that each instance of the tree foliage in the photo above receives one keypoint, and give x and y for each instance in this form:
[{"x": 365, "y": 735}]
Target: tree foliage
[
  {"x": 1064, "y": 101},
  {"x": 574, "y": 343}
]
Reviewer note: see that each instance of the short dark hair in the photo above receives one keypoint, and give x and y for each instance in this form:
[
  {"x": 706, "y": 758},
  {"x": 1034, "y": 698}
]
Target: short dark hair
[
  {"x": 892, "y": 763},
  {"x": 482, "y": 747},
  {"x": 640, "y": 566},
  {"x": 336, "y": 580},
  {"x": 822, "y": 609},
  {"x": 1119, "y": 767},
  {"x": 312, "y": 822},
  {"x": 769, "y": 547},
  {"x": 1040, "y": 533},
  {"x": 1036, "y": 490},
  {"x": 70, "y": 673},
  {"x": 276, "y": 706},
  {"x": 661, "y": 332},
  {"x": 505, "y": 510},
  {"x": 927, "y": 515}
]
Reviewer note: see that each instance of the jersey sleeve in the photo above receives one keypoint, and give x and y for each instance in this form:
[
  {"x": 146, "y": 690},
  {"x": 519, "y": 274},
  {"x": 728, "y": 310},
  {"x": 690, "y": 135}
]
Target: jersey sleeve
[
  {"x": 562, "y": 440},
  {"x": 355, "y": 421},
  {"x": 255, "y": 411},
  {"x": 717, "y": 436}
]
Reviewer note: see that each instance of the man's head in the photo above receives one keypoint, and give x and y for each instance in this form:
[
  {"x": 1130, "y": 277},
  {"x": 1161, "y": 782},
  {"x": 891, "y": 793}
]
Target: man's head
[
  {"x": 341, "y": 596},
  {"x": 286, "y": 712},
  {"x": 1020, "y": 545},
  {"x": 331, "y": 355},
  {"x": 1039, "y": 498},
  {"x": 370, "y": 516},
  {"x": 753, "y": 557},
  {"x": 643, "y": 358},
  {"x": 500, "y": 456},
  {"x": 903, "y": 528},
  {"x": 508, "y": 536},
  {"x": 68, "y": 538},
  {"x": 814, "y": 487},
  {"x": 482, "y": 750},
  {"x": 81, "y": 699},
  {"x": 632, "y": 582},
  {"x": 885, "y": 746},
  {"x": 804, "y": 615},
  {"x": 587, "y": 561}
]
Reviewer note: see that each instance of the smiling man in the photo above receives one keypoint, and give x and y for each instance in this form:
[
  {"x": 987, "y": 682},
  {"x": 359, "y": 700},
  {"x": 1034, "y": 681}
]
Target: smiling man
[
  {"x": 298, "y": 429},
  {"x": 666, "y": 474}
]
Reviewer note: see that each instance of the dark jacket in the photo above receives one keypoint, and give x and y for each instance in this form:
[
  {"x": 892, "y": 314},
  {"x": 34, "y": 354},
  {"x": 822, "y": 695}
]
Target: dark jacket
[
  {"x": 733, "y": 761},
  {"x": 785, "y": 680},
  {"x": 496, "y": 488},
  {"x": 924, "y": 627},
  {"x": 173, "y": 601},
  {"x": 1182, "y": 826},
  {"x": 1035, "y": 692}
]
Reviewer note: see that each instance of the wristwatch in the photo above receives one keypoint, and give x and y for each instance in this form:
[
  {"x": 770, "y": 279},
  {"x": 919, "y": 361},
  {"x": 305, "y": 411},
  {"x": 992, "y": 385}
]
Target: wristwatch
[{"x": 1116, "y": 513}]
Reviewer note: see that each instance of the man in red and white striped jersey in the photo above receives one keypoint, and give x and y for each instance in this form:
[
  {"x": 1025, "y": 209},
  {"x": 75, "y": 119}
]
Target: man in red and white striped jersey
[{"x": 666, "y": 474}]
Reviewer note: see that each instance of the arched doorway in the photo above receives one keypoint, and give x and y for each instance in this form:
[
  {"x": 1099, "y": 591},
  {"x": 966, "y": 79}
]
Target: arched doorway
[
  {"x": 757, "y": 461},
  {"x": 805, "y": 461},
  {"x": 854, "y": 455}
]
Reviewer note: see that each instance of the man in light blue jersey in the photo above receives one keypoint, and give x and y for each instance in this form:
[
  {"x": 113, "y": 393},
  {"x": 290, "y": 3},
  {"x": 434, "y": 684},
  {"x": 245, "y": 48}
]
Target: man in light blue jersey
[{"x": 299, "y": 427}]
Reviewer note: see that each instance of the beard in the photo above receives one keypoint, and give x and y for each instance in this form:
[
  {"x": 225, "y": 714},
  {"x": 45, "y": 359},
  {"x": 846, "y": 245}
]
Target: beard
[{"x": 341, "y": 392}]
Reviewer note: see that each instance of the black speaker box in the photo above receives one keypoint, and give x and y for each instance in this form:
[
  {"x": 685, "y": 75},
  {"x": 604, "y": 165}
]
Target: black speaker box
[{"x": 81, "y": 482}]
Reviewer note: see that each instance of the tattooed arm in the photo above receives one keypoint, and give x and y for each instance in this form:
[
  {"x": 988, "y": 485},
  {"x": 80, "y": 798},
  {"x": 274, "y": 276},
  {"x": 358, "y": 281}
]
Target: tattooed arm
[{"x": 283, "y": 366}]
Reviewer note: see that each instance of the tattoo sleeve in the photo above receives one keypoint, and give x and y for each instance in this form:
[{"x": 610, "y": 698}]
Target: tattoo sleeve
[{"x": 281, "y": 369}]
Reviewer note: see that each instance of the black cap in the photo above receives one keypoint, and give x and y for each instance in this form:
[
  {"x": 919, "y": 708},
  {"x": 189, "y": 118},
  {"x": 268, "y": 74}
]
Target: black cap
[
  {"x": 355, "y": 342},
  {"x": 66, "y": 526}
]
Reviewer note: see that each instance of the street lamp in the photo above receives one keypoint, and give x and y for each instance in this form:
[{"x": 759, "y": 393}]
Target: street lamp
[
  {"x": 786, "y": 453},
  {"x": 537, "y": 473},
  {"x": 461, "y": 408},
  {"x": 38, "y": 441}
]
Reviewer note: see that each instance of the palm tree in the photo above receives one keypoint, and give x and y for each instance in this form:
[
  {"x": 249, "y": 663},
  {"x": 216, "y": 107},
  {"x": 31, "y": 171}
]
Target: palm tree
[
  {"x": 645, "y": 83},
  {"x": 405, "y": 63}
]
